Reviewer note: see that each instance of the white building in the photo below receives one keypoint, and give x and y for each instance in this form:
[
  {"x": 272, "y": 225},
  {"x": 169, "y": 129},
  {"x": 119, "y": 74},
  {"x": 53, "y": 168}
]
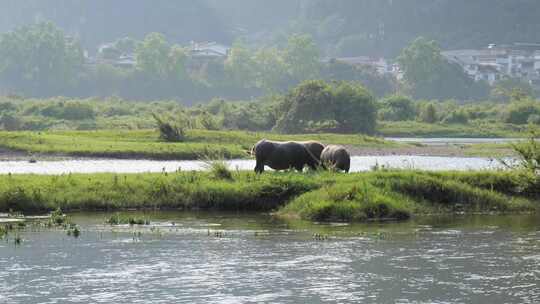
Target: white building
[{"x": 519, "y": 60}]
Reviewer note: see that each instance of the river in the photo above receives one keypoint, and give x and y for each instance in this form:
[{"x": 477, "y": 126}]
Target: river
[
  {"x": 257, "y": 259},
  {"x": 358, "y": 164}
]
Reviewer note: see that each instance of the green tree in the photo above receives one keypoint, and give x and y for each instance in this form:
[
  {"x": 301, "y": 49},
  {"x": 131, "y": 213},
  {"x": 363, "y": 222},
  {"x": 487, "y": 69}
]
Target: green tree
[
  {"x": 301, "y": 57},
  {"x": 397, "y": 108},
  {"x": 270, "y": 69},
  {"x": 153, "y": 56},
  {"x": 355, "y": 109},
  {"x": 511, "y": 89},
  {"x": 519, "y": 112},
  {"x": 430, "y": 76},
  {"x": 39, "y": 59},
  {"x": 315, "y": 106},
  {"x": 428, "y": 113},
  {"x": 240, "y": 66},
  {"x": 177, "y": 60},
  {"x": 380, "y": 85}
]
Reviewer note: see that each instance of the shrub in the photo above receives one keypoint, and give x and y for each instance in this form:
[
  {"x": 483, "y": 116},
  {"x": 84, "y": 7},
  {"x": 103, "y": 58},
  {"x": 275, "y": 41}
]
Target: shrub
[
  {"x": 397, "y": 108},
  {"x": 534, "y": 119},
  {"x": 69, "y": 111},
  {"x": 314, "y": 102},
  {"x": 10, "y": 122},
  {"x": 428, "y": 114},
  {"x": 219, "y": 169},
  {"x": 456, "y": 117},
  {"x": 519, "y": 112},
  {"x": 169, "y": 131}
]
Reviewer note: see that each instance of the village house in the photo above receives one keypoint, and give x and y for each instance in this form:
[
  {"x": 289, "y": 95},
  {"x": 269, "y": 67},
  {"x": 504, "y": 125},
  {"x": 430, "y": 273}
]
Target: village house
[{"x": 518, "y": 60}]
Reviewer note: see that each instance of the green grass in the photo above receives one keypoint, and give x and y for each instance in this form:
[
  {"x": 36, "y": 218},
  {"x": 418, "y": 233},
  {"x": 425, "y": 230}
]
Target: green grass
[
  {"x": 319, "y": 196},
  {"x": 473, "y": 129},
  {"x": 145, "y": 143}
]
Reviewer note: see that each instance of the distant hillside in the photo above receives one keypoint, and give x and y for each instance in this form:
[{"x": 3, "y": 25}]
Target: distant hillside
[
  {"x": 341, "y": 27},
  {"x": 99, "y": 21}
]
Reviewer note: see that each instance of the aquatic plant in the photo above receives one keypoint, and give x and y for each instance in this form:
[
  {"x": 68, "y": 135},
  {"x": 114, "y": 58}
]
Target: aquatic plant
[
  {"x": 3, "y": 232},
  {"x": 74, "y": 231},
  {"x": 57, "y": 218},
  {"x": 17, "y": 240},
  {"x": 118, "y": 219}
]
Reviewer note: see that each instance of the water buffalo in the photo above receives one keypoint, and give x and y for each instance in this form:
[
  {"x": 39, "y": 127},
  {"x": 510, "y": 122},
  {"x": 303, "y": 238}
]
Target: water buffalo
[
  {"x": 285, "y": 155},
  {"x": 336, "y": 157}
]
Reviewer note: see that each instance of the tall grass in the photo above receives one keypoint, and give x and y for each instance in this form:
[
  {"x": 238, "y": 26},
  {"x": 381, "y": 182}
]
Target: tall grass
[{"x": 321, "y": 196}]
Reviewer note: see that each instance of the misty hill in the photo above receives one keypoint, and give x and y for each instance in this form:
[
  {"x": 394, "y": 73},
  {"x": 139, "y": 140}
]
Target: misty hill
[{"x": 340, "y": 27}]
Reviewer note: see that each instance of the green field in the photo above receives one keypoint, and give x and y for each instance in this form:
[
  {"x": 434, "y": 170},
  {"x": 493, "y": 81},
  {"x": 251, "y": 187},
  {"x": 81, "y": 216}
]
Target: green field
[
  {"x": 145, "y": 143},
  {"x": 476, "y": 129},
  {"x": 321, "y": 196}
]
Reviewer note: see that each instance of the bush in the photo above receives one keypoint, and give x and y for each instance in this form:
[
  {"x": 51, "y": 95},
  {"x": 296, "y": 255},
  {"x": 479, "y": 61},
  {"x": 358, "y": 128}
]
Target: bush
[
  {"x": 456, "y": 117},
  {"x": 312, "y": 103},
  {"x": 534, "y": 119},
  {"x": 169, "y": 131},
  {"x": 10, "y": 122},
  {"x": 519, "y": 112},
  {"x": 69, "y": 111},
  {"x": 428, "y": 114},
  {"x": 219, "y": 169},
  {"x": 397, "y": 108}
]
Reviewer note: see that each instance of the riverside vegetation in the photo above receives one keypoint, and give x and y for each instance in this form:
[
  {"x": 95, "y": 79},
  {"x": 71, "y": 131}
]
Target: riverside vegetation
[
  {"x": 146, "y": 143},
  {"x": 315, "y": 195},
  {"x": 321, "y": 196}
]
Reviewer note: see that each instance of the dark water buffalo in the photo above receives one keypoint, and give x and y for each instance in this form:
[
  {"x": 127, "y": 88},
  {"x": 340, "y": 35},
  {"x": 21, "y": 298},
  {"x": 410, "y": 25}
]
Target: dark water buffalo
[
  {"x": 285, "y": 155},
  {"x": 336, "y": 157}
]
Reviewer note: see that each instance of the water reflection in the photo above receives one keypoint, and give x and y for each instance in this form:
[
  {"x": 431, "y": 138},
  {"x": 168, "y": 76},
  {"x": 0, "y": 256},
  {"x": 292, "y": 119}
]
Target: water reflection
[{"x": 263, "y": 259}]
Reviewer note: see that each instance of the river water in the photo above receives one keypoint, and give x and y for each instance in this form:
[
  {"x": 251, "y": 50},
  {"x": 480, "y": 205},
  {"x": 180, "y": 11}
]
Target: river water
[
  {"x": 260, "y": 259},
  {"x": 358, "y": 164}
]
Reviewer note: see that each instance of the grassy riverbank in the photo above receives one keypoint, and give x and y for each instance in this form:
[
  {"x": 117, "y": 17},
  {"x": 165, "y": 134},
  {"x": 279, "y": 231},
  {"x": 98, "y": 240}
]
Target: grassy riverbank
[
  {"x": 313, "y": 196},
  {"x": 475, "y": 129},
  {"x": 145, "y": 143}
]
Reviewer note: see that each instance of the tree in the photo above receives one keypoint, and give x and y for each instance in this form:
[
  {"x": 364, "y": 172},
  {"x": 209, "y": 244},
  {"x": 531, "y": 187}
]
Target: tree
[
  {"x": 153, "y": 56},
  {"x": 428, "y": 113},
  {"x": 315, "y": 106},
  {"x": 39, "y": 59},
  {"x": 397, "y": 108},
  {"x": 380, "y": 85},
  {"x": 240, "y": 66},
  {"x": 270, "y": 69},
  {"x": 301, "y": 57},
  {"x": 354, "y": 108},
  {"x": 511, "y": 89},
  {"x": 311, "y": 101},
  {"x": 430, "y": 76}
]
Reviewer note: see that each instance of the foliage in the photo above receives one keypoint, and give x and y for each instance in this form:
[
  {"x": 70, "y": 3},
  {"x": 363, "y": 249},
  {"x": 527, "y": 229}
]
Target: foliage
[
  {"x": 318, "y": 196},
  {"x": 380, "y": 85},
  {"x": 429, "y": 75},
  {"x": 349, "y": 107},
  {"x": 122, "y": 219},
  {"x": 39, "y": 59},
  {"x": 397, "y": 108},
  {"x": 511, "y": 89},
  {"x": 456, "y": 117},
  {"x": 219, "y": 169},
  {"x": 528, "y": 154},
  {"x": 143, "y": 144},
  {"x": 519, "y": 112},
  {"x": 428, "y": 113},
  {"x": 169, "y": 131}
]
